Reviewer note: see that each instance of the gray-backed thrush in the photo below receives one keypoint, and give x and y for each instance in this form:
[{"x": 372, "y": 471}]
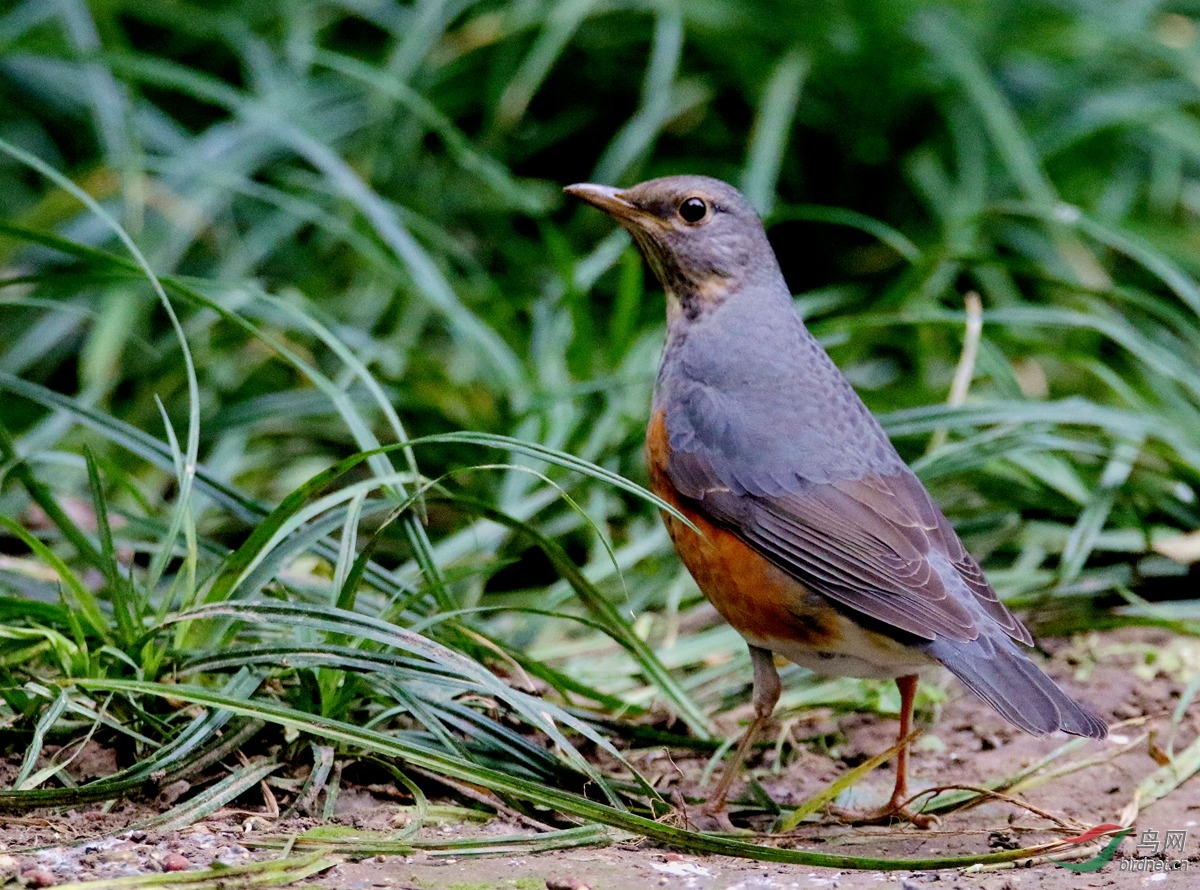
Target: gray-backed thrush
[{"x": 817, "y": 542}]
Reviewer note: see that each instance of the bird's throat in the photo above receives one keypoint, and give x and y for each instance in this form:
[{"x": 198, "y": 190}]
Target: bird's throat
[
  {"x": 688, "y": 300},
  {"x": 688, "y": 295}
]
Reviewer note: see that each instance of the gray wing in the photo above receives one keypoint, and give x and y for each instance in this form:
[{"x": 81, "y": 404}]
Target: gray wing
[{"x": 876, "y": 544}]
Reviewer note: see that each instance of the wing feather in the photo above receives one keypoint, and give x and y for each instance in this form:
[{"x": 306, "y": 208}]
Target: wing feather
[{"x": 877, "y": 545}]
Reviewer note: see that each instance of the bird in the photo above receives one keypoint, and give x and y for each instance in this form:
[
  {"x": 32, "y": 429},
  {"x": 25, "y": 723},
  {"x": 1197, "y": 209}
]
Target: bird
[{"x": 806, "y": 530}]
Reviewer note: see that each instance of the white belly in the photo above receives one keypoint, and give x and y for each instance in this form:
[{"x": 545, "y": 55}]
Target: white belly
[{"x": 858, "y": 653}]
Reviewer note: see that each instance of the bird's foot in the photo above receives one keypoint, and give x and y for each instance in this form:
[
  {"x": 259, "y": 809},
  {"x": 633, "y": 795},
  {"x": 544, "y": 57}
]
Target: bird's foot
[
  {"x": 895, "y": 810},
  {"x": 719, "y": 821},
  {"x": 716, "y": 818}
]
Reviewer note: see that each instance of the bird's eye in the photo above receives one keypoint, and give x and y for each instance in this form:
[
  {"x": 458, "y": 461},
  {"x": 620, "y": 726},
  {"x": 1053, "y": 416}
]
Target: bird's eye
[{"x": 693, "y": 210}]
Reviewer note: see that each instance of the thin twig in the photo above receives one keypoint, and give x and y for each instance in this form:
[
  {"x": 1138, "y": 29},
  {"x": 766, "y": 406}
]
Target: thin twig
[
  {"x": 965, "y": 371},
  {"x": 980, "y": 791}
]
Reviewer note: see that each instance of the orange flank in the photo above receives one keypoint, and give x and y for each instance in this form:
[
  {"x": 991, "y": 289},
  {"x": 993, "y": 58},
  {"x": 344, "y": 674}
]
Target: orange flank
[{"x": 759, "y": 600}]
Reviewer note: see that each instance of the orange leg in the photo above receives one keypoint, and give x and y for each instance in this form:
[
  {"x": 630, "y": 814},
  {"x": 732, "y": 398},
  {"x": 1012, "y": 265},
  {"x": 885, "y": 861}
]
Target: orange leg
[
  {"x": 766, "y": 693},
  {"x": 908, "y": 693},
  {"x": 895, "y": 808}
]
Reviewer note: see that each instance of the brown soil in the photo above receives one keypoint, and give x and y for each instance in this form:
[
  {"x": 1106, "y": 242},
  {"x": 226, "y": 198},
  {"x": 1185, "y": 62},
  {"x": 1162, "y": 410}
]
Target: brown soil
[{"x": 1133, "y": 677}]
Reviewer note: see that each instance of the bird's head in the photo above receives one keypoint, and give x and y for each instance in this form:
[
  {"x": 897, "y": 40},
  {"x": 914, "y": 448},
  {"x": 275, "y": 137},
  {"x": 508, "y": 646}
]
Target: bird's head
[{"x": 700, "y": 236}]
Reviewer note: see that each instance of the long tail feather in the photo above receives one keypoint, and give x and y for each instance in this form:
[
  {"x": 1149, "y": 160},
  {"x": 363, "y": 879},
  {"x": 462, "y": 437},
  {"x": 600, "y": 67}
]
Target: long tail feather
[{"x": 996, "y": 670}]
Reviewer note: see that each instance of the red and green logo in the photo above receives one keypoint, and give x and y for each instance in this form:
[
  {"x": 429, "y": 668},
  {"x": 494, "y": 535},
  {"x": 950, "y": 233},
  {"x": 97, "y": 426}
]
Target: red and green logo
[{"x": 1102, "y": 858}]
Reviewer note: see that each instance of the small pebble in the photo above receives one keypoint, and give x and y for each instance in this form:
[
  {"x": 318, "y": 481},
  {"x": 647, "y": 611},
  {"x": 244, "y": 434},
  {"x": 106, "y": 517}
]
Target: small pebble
[
  {"x": 566, "y": 883},
  {"x": 38, "y": 877},
  {"x": 176, "y": 862}
]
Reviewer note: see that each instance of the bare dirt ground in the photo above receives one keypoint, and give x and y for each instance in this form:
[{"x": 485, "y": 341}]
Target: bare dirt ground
[{"x": 1134, "y": 678}]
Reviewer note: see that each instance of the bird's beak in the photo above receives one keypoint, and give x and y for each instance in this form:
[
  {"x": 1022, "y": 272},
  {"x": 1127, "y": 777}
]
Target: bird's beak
[{"x": 610, "y": 200}]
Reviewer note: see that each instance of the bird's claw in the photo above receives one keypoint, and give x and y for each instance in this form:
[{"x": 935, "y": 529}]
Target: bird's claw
[
  {"x": 893, "y": 811},
  {"x": 720, "y": 815}
]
